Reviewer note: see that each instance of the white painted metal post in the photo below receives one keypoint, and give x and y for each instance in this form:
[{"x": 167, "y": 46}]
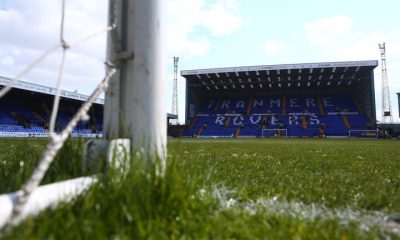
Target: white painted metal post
[
  {"x": 134, "y": 105},
  {"x": 43, "y": 197}
]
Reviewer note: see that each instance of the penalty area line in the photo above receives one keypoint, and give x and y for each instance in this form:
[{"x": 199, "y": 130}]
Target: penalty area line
[{"x": 365, "y": 220}]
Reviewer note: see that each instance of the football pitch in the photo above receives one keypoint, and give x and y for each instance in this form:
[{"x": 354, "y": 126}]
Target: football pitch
[{"x": 223, "y": 189}]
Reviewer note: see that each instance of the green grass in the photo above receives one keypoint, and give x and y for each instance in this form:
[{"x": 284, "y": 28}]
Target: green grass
[
  {"x": 363, "y": 175},
  {"x": 18, "y": 158}
]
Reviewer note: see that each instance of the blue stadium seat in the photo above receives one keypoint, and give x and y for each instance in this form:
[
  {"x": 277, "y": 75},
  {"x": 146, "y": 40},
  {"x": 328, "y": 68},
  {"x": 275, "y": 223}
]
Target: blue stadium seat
[
  {"x": 20, "y": 119},
  {"x": 300, "y": 114}
]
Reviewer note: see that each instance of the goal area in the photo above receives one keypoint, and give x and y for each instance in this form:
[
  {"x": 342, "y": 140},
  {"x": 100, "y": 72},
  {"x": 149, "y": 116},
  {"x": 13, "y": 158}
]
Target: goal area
[
  {"x": 372, "y": 134},
  {"x": 274, "y": 132}
]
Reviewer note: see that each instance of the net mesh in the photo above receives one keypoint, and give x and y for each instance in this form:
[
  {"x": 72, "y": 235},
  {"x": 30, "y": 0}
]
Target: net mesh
[
  {"x": 276, "y": 132},
  {"x": 56, "y": 140}
]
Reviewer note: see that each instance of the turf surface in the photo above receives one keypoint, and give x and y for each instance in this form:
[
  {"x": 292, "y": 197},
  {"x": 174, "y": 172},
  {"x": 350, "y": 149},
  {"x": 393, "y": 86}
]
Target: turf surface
[{"x": 363, "y": 175}]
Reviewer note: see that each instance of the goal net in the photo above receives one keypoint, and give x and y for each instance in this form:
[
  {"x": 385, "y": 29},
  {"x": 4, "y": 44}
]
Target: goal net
[
  {"x": 145, "y": 37},
  {"x": 363, "y": 134},
  {"x": 274, "y": 132}
]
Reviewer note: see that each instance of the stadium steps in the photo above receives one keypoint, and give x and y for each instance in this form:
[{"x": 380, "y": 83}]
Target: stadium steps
[
  {"x": 93, "y": 128},
  {"x": 304, "y": 122},
  {"x": 193, "y": 122},
  {"x": 20, "y": 119},
  {"x": 217, "y": 106},
  {"x": 284, "y": 112},
  {"x": 346, "y": 121},
  {"x": 358, "y": 106},
  {"x": 265, "y": 122},
  {"x": 227, "y": 121},
  {"x": 249, "y": 106},
  {"x": 201, "y": 130},
  {"x": 320, "y": 105},
  {"x": 43, "y": 121},
  {"x": 237, "y": 132}
]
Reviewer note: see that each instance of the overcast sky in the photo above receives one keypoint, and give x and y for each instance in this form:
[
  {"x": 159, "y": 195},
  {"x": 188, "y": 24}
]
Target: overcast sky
[{"x": 208, "y": 34}]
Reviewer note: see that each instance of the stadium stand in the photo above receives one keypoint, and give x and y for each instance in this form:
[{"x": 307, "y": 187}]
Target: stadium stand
[
  {"x": 300, "y": 100},
  {"x": 300, "y": 116},
  {"x": 297, "y": 100},
  {"x": 25, "y": 111}
]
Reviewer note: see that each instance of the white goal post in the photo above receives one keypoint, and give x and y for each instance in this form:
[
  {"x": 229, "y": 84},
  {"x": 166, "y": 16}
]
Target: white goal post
[
  {"x": 132, "y": 107},
  {"x": 274, "y": 132},
  {"x": 364, "y": 133}
]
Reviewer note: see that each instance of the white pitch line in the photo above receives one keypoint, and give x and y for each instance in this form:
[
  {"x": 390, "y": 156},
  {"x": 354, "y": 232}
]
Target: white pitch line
[{"x": 365, "y": 220}]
